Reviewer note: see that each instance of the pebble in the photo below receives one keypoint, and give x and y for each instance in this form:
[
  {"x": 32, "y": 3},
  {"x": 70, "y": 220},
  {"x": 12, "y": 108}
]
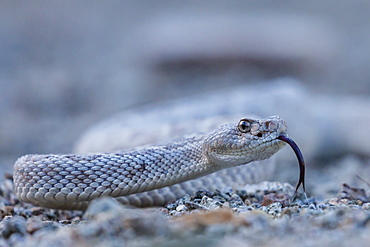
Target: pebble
[
  {"x": 14, "y": 225},
  {"x": 366, "y": 206},
  {"x": 181, "y": 208}
]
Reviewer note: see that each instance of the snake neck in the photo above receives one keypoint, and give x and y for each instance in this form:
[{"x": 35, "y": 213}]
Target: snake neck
[{"x": 182, "y": 160}]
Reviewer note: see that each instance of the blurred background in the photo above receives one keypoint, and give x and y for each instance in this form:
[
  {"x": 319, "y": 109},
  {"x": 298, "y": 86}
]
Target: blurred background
[{"x": 65, "y": 65}]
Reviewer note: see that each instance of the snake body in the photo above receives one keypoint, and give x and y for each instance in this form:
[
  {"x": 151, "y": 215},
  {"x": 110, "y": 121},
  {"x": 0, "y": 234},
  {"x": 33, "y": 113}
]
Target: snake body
[{"x": 142, "y": 176}]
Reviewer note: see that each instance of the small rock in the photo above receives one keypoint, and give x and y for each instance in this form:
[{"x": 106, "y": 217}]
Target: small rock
[
  {"x": 243, "y": 209},
  {"x": 76, "y": 220},
  {"x": 210, "y": 203},
  {"x": 65, "y": 222},
  {"x": 6, "y": 210},
  {"x": 181, "y": 208},
  {"x": 201, "y": 193},
  {"x": 16, "y": 224},
  {"x": 34, "y": 224},
  {"x": 236, "y": 201},
  {"x": 275, "y": 197},
  {"x": 273, "y": 209},
  {"x": 351, "y": 193},
  {"x": 37, "y": 210},
  {"x": 102, "y": 205}
]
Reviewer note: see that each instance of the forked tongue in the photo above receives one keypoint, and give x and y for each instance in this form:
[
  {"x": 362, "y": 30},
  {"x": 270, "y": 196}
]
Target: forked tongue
[{"x": 299, "y": 155}]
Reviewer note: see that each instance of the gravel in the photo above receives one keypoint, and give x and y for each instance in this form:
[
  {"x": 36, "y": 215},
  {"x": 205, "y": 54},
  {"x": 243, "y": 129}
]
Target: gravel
[{"x": 253, "y": 215}]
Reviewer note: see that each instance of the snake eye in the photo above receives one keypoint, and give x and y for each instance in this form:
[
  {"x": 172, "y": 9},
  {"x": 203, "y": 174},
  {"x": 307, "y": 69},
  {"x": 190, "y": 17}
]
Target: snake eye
[{"x": 244, "y": 126}]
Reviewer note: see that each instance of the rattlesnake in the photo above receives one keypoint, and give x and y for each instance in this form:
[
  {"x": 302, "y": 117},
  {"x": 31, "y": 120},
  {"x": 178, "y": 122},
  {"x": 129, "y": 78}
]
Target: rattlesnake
[{"x": 139, "y": 176}]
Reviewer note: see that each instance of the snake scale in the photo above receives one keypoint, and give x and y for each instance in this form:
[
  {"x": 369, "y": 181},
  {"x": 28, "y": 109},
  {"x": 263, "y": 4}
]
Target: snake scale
[{"x": 152, "y": 175}]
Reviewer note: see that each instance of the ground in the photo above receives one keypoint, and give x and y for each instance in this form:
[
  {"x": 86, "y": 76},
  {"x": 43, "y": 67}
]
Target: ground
[{"x": 253, "y": 215}]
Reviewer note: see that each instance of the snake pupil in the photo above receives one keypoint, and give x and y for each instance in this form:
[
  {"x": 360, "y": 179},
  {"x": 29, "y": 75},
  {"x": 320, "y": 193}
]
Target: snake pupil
[{"x": 244, "y": 126}]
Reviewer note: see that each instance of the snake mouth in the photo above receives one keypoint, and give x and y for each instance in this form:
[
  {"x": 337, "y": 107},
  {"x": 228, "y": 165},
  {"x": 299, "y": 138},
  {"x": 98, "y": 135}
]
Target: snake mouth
[{"x": 301, "y": 163}]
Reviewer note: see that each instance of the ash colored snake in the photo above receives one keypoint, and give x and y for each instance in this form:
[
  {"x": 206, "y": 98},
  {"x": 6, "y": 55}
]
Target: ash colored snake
[{"x": 153, "y": 175}]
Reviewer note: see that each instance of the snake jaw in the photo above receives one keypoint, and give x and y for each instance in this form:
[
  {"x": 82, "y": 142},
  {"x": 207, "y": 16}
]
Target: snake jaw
[{"x": 301, "y": 162}]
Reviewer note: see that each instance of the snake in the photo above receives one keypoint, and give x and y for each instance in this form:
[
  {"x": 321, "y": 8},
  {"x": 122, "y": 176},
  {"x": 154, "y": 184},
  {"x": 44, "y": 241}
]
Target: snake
[{"x": 157, "y": 174}]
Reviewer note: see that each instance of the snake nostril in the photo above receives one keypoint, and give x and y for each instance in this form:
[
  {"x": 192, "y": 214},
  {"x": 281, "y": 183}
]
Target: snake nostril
[{"x": 259, "y": 134}]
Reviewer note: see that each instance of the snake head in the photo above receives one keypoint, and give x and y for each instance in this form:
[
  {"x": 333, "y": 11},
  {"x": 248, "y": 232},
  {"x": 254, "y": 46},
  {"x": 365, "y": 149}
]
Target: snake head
[{"x": 248, "y": 140}]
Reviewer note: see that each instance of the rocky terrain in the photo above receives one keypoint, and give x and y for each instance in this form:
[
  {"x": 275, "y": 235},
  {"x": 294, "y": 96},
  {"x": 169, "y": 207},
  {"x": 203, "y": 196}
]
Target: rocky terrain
[{"x": 254, "y": 215}]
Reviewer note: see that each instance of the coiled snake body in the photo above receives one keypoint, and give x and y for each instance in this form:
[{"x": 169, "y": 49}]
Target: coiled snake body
[{"x": 72, "y": 181}]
